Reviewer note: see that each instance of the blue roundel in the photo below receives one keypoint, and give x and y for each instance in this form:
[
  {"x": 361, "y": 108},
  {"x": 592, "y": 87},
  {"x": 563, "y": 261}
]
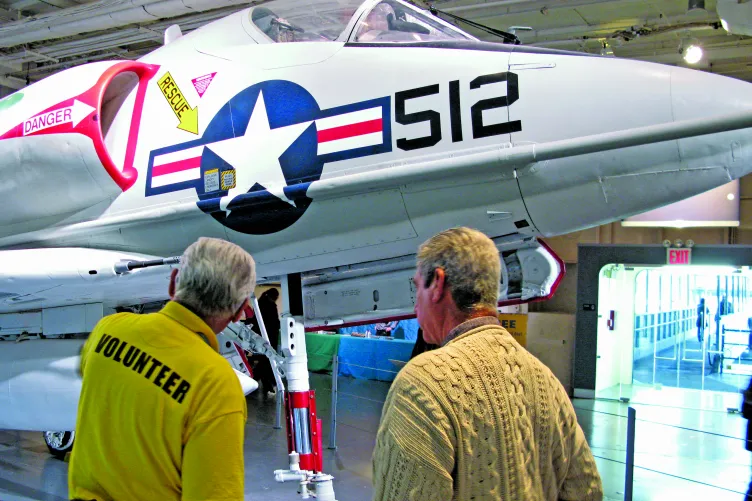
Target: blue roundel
[{"x": 286, "y": 104}]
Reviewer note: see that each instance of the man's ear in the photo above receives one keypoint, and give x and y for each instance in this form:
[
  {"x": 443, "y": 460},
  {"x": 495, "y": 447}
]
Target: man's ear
[
  {"x": 438, "y": 284},
  {"x": 239, "y": 313},
  {"x": 173, "y": 283}
]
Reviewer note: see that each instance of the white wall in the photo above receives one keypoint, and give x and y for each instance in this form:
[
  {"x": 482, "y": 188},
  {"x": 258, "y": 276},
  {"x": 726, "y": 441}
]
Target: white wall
[
  {"x": 550, "y": 337},
  {"x": 624, "y": 325},
  {"x": 615, "y": 292}
]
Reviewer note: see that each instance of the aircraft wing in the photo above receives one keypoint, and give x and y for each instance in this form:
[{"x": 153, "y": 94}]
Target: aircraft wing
[
  {"x": 498, "y": 162},
  {"x": 37, "y": 279}
]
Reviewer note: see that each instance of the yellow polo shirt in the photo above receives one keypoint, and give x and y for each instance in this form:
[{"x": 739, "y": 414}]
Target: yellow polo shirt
[{"x": 161, "y": 415}]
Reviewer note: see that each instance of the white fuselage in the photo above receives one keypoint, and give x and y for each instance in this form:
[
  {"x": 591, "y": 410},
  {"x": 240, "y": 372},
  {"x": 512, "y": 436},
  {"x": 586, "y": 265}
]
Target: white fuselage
[{"x": 545, "y": 97}]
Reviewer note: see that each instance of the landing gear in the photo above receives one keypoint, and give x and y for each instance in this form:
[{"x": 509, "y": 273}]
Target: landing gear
[
  {"x": 304, "y": 441},
  {"x": 59, "y": 443}
]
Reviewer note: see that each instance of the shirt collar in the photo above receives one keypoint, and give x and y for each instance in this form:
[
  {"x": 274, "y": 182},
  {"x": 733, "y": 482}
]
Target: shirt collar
[
  {"x": 192, "y": 322},
  {"x": 469, "y": 325}
]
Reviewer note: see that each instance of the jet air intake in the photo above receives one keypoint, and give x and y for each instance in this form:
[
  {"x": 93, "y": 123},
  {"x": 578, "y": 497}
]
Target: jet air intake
[
  {"x": 369, "y": 292},
  {"x": 58, "y": 158}
]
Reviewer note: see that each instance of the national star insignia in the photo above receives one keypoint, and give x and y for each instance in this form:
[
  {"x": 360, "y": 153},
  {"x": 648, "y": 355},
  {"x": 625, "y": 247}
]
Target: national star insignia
[{"x": 255, "y": 155}]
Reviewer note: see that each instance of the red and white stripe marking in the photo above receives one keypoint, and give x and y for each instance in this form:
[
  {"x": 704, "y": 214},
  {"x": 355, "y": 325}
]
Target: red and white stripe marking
[
  {"x": 177, "y": 167},
  {"x": 350, "y": 131}
]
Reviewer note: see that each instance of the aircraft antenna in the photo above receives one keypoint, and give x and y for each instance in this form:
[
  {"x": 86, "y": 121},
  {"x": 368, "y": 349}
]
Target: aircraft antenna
[{"x": 507, "y": 37}]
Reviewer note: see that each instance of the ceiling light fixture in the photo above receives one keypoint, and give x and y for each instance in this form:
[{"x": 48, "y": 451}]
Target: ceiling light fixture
[
  {"x": 692, "y": 54},
  {"x": 606, "y": 50}
]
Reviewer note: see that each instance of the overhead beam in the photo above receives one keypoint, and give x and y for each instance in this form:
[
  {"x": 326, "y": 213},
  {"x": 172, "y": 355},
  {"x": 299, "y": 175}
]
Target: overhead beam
[
  {"x": 39, "y": 55},
  {"x": 677, "y": 22},
  {"x": 101, "y": 15},
  {"x": 23, "y": 4},
  {"x": 110, "y": 40},
  {"x": 516, "y": 7},
  {"x": 12, "y": 82},
  {"x": 8, "y": 14},
  {"x": 61, "y": 4}
]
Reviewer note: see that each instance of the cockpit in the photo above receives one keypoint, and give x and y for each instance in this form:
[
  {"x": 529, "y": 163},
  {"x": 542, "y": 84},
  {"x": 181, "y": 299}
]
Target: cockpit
[{"x": 373, "y": 21}]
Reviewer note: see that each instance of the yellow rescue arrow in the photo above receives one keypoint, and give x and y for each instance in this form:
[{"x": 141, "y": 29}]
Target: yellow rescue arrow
[{"x": 176, "y": 99}]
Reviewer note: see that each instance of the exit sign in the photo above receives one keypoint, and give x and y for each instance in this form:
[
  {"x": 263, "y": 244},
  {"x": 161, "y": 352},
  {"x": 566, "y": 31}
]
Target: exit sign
[{"x": 679, "y": 256}]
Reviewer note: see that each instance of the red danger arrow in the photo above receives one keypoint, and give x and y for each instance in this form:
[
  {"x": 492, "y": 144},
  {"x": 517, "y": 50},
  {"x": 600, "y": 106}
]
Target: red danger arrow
[{"x": 70, "y": 114}]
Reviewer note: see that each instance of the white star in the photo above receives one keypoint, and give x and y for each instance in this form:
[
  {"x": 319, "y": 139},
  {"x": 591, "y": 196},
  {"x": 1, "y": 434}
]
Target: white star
[{"x": 255, "y": 156}]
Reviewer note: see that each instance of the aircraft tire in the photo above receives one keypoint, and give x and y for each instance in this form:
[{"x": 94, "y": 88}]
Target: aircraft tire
[{"x": 59, "y": 443}]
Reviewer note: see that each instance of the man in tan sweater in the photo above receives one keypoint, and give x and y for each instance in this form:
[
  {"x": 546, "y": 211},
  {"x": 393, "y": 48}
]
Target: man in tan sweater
[{"x": 479, "y": 418}]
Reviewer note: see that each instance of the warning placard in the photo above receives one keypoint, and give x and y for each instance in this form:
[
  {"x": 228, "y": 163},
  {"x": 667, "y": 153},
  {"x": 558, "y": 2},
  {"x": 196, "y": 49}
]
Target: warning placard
[
  {"x": 516, "y": 324},
  {"x": 179, "y": 104}
]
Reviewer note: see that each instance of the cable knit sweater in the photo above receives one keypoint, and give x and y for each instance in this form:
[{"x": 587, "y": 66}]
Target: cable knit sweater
[{"x": 481, "y": 419}]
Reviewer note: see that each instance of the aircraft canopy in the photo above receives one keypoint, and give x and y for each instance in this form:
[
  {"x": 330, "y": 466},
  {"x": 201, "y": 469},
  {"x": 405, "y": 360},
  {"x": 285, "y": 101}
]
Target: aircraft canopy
[{"x": 373, "y": 21}]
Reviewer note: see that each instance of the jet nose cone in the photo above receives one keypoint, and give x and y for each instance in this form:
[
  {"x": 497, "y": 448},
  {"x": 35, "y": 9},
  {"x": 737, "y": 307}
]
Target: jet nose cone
[{"x": 697, "y": 94}]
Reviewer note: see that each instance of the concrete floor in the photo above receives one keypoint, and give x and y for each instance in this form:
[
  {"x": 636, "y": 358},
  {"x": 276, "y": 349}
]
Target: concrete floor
[{"x": 686, "y": 463}]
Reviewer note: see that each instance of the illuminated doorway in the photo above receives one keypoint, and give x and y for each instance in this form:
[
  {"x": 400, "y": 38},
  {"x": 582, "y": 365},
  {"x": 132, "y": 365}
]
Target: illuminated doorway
[{"x": 674, "y": 335}]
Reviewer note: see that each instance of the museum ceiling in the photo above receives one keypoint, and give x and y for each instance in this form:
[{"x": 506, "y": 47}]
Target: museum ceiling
[{"x": 36, "y": 37}]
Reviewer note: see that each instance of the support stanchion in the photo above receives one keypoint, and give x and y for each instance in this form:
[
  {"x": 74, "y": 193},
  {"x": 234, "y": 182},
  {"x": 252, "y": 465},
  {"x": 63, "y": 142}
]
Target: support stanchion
[
  {"x": 629, "y": 477},
  {"x": 333, "y": 411},
  {"x": 278, "y": 414}
]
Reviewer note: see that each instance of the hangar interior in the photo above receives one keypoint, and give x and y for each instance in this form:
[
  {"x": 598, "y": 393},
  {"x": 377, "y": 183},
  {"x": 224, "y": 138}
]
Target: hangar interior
[{"x": 647, "y": 354}]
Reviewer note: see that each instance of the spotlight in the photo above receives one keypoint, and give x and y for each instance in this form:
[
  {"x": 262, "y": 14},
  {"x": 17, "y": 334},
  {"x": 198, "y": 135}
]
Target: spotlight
[
  {"x": 667, "y": 243},
  {"x": 693, "y": 54},
  {"x": 730, "y": 196},
  {"x": 695, "y": 5},
  {"x": 678, "y": 243},
  {"x": 690, "y": 243}
]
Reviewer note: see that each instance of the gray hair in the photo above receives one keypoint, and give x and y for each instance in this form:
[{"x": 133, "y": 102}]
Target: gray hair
[
  {"x": 215, "y": 277},
  {"x": 471, "y": 265}
]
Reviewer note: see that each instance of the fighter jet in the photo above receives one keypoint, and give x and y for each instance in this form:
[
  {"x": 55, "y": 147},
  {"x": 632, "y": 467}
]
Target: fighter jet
[{"x": 329, "y": 139}]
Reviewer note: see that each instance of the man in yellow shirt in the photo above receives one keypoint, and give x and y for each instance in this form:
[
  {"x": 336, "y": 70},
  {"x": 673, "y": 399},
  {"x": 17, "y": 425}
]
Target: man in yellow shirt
[{"x": 162, "y": 414}]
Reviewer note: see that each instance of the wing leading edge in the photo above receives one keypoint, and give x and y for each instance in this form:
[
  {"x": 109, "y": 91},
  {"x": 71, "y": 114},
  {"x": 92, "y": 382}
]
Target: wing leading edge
[{"x": 497, "y": 162}]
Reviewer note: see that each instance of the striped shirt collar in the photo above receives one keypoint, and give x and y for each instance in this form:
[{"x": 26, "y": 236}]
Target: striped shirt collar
[{"x": 469, "y": 325}]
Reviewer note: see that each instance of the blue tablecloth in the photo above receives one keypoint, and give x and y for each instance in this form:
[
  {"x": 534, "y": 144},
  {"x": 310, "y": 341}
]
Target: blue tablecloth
[
  {"x": 369, "y": 358},
  {"x": 406, "y": 329}
]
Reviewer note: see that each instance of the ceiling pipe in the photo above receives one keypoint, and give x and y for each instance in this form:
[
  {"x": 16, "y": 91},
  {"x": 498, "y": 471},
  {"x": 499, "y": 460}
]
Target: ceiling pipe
[
  {"x": 73, "y": 50},
  {"x": 644, "y": 39},
  {"x": 529, "y": 5},
  {"x": 605, "y": 29},
  {"x": 61, "y": 24},
  {"x": 645, "y": 43},
  {"x": 12, "y": 82},
  {"x": 108, "y": 41},
  {"x": 71, "y": 14},
  {"x": 485, "y": 5},
  {"x": 716, "y": 53}
]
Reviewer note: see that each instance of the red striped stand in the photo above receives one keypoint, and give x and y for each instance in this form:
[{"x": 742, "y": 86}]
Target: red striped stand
[{"x": 303, "y": 438}]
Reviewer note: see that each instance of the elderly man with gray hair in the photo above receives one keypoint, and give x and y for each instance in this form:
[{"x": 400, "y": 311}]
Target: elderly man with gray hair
[
  {"x": 162, "y": 414},
  {"x": 479, "y": 418}
]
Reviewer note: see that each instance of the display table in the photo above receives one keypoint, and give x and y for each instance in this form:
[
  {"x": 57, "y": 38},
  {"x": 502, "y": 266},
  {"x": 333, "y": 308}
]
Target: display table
[
  {"x": 369, "y": 358},
  {"x": 321, "y": 349}
]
